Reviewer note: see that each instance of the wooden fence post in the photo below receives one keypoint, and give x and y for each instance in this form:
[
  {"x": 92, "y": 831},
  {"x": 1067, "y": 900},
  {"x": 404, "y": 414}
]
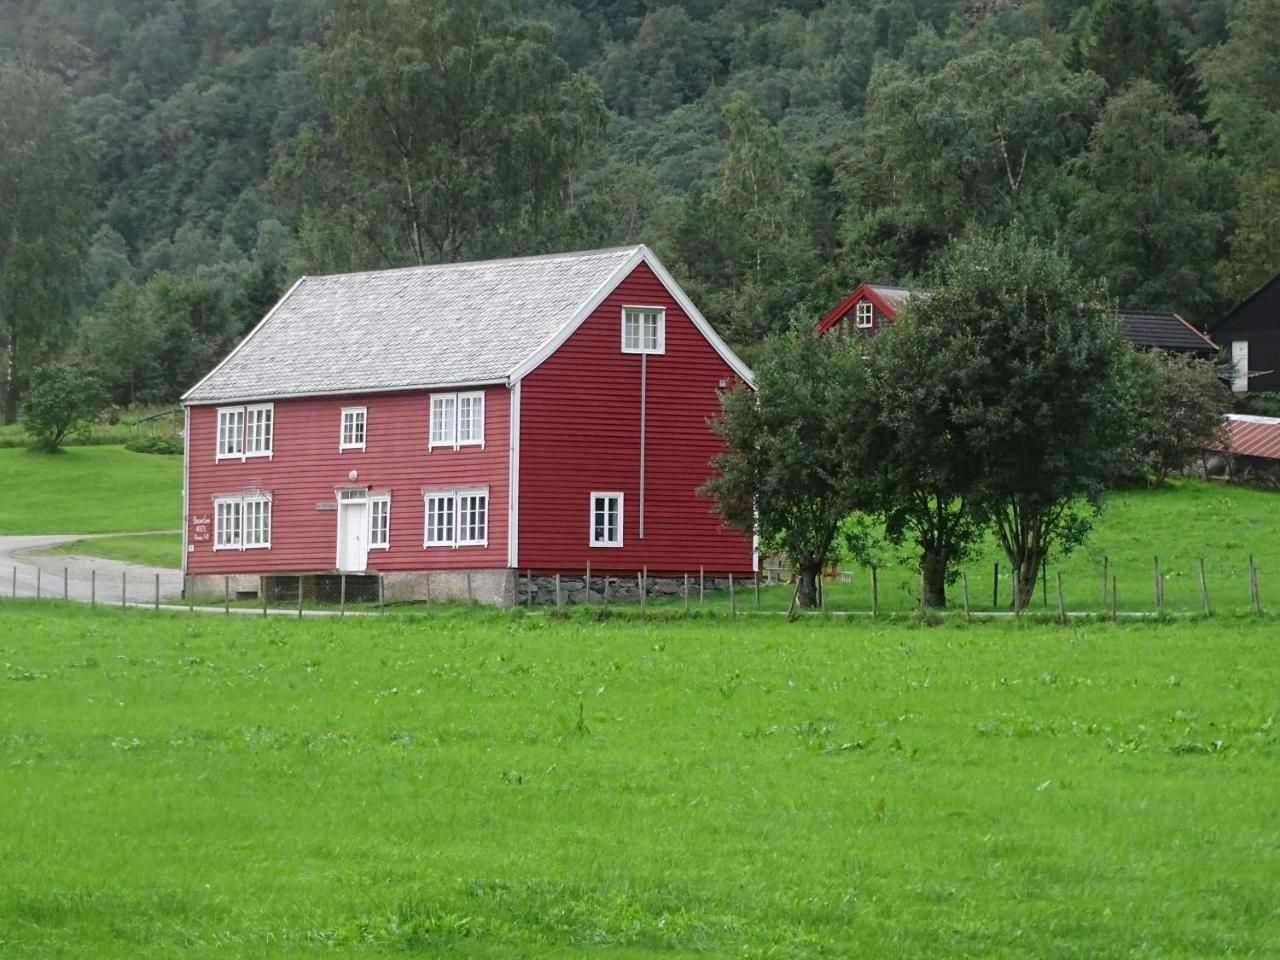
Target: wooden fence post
[
  {"x": 66, "y": 587},
  {"x": 124, "y": 588},
  {"x": 226, "y": 594},
  {"x": 964, "y": 581},
  {"x": 37, "y": 583},
  {"x": 15, "y": 582},
  {"x": 93, "y": 586},
  {"x": 644, "y": 589},
  {"x": 299, "y": 596},
  {"x": 733, "y": 600},
  {"x": 557, "y": 591},
  {"x": 875, "y": 594},
  {"x": 157, "y": 603},
  {"x": 528, "y": 588},
  {"x": 342, "y": 595},
  {"x": 1204, "y": 591},
  {"x": 702, "y": 574},
  {"x": 995, "y": 587},
  {"x": 262, "y": 592},
  {"x": 1104, "y": 579},
  {"x": 1155, "y": 579},
  {"x": 1115, "y": 604},
  {"x": 1062, "y": 605},
  {"x": 382, "y": 601},
  {"x": 686, "y": 593},
  {"x": 588, "y": 600}
]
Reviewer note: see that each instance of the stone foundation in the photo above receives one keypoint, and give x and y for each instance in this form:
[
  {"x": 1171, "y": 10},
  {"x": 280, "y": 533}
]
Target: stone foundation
[
  {"x": 493, "y": 587},
  {"x": 574, "y": 588}
]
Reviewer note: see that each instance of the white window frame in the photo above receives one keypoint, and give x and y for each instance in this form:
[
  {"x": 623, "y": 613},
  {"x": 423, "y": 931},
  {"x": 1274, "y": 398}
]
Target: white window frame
[
  {"x": 660, "y": 334},
  {"x": 358, "y": 415},
  {"x": 864, "y": 319},
  {"x": 476, "y": 438},
  {"x": 242, "y": 434},
  {"x": 240, "y": 537},
  {"x": 452, "y": 439},
  {"x": 376, "y": 501},
  {"x": 483, "y": 541},
  {"x": 455, "y": 538},
  {"x": 591, "y": 519}
]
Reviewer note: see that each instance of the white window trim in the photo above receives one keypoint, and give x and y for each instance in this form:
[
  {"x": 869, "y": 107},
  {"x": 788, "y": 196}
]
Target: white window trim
[
  {"x": 871, "y": 315},
  {"x": 243, "y": 499},
  {"x": 457, "y": 516},
  {"x": 243, "y": 454},
  {"x": 342, "y": 428},
  {"x": 457, "y": 493},
  {"x": 371, "y": 500},
  {"x": 457, "y": 410},
  {"x": 591, "y": 519},
  {"x": 662, "y": 329},
  {"x": 456, "y": 442}
]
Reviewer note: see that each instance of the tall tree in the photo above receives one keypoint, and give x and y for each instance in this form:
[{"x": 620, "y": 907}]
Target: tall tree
[
  {"x": 1148, "y": 218},
  {"x": 1138, "y": 39},
  {"x": 460, "y": 127},
  {"x": 45, "y": 170},
  {"x": 1048, "y": 408},
  {"x": 795, "y": 448}
]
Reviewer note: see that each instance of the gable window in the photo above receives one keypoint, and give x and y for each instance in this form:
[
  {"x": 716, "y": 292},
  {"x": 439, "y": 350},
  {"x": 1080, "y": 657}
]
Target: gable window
[
  {"x": 457, "y": 420},
  {"x": 242, "y": 522},
  {"x": 606, "y": 520},
  {"x": 245, "y": 431},
  {"x": 457, "y": 518},
  {"x": 353, "y": 426},
  {"x": 644, "y": 330},
  {"x": 380, "y": 521},
  {"x": 864, "y": 315}
]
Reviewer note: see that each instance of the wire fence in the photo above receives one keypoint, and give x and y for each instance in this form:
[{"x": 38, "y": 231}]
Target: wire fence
[{"x": 1115, "y": 591}]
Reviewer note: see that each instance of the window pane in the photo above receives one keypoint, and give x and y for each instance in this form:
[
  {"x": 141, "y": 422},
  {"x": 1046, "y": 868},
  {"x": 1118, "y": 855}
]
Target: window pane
[{"x": 443, "y": 417}]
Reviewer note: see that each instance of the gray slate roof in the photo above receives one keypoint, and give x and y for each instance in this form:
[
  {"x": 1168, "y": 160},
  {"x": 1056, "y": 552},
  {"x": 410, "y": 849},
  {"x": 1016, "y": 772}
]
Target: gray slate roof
[
  {"x": 894, "y": 296},
  {"x": 444, "y": 325}
]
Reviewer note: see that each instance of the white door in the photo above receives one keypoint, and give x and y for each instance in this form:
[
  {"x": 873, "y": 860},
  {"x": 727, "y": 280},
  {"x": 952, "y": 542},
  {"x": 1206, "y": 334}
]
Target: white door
[
  {"x": 353, "y": 536},
  {"x": 1240, "y": 366}
]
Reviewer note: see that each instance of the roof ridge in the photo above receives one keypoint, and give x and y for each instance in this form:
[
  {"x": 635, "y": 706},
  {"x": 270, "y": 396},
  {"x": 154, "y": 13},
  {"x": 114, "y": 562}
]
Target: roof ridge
[{"x": 460, "y": 264}]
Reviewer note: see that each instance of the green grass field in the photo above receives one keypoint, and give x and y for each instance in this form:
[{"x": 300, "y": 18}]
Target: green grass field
[
  {"x": 150, "y": 549},
  {"x": 103, "y": 489},
  {"x": 481, "y": 784}
]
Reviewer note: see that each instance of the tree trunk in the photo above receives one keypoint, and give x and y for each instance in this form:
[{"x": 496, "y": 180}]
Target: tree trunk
[
  {"x": 933, "y": 576},
  {"x": 1026, "y": 573},
  {"x": 807, "y": 585},
  {"x": 11, "y": 382}
]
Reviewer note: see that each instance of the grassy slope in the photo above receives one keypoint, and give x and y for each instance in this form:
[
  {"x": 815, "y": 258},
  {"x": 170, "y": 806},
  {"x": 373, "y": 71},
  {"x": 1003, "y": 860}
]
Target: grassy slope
[
  {"x": 89, "y": 490},
  {"x": 488, "y": 785},
  {"x": 150, "y": 549}
]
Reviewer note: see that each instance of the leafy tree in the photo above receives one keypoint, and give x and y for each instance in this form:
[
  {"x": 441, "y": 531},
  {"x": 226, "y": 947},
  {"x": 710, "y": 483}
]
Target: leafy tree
[
  {"x": 1138, "y": 39},
  {"x": 1047, "y": 406},
  {"x": 45, "y": 166},
  {"x": 1185, "y": 400},
  {"x": 460, "y": 127},
  {"x": 794, "y": 448},
  {"x": 1148, "y": 218},
  {"x": 921, "y": 472},
  {"x": 61, "y": 400},
  {"x": 1254, "y": 247},
  {"x": 983, "y": 138}
]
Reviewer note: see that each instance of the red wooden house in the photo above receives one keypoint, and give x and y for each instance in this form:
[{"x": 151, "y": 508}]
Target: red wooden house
[{"x": 469, "y": 420}]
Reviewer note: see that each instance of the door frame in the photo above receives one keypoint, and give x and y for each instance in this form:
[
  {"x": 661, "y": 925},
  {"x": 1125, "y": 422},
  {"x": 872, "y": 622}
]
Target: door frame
[{"x": 351, "y": 497}]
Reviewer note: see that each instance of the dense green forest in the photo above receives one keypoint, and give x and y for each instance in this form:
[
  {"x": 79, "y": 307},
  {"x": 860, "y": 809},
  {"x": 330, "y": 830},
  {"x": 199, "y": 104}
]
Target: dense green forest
[{"x": 168, "y": 167}]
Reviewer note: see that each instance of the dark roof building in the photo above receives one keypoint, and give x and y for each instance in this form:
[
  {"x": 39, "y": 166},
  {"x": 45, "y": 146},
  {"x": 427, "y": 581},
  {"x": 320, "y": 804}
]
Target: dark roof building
[
  {"x": 1158, "y": 330},
  {"x": 1251, "y": 331}
]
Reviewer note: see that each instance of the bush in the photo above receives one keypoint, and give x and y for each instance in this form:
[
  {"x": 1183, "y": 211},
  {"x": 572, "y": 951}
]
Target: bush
[
  {"x": 61, "y": 401},
  {"x": 154, "y": 444}
]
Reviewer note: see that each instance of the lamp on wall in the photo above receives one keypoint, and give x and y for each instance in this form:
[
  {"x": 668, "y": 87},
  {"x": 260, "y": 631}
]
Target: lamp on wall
[{"x": 352, "y": 476}]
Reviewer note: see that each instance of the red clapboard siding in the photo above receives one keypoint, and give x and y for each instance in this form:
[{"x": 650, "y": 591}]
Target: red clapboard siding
[
  {"x": 580, "y": 432},
  {"x": 306, "y": 467}
]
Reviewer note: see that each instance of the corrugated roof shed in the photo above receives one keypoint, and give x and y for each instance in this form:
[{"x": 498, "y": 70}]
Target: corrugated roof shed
[
  {"x": 448, "y": 324},
  {"x": 1160, "y": 330},
  {"x": 1250, "y": 436}
]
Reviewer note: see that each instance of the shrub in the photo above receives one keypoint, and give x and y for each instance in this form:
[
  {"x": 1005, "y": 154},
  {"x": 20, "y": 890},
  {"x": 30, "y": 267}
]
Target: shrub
[
  {"x": 154, "y": 444},
  {"x": 61, "y": 400}
]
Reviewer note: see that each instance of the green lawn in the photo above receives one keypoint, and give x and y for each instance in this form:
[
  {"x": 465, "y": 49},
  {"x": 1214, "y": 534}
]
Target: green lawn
[
  {"x": 150, "y": 549},
  {"x": 89, "y": 490},
  {"x": 481, "y": 784}
]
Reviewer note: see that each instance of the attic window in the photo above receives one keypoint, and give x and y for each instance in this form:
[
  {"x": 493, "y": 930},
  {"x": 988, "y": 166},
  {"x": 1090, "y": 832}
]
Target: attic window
[
  {"x": 864, "y": 315},
  {"x": 644, "y": 330}
]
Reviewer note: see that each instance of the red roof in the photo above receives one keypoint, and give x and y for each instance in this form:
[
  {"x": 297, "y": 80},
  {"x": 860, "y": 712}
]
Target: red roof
[{"x": 1252, "y": 436}]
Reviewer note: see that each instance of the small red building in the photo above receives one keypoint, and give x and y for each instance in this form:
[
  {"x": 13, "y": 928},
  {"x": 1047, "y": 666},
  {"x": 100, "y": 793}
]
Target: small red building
[{"x": 470, "y": 420}]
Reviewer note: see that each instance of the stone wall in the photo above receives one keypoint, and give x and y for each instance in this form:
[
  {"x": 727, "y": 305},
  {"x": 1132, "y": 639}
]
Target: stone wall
[{"x": 573, "y": 588}]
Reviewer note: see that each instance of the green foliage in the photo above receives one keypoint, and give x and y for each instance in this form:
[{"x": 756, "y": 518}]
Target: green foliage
[
  {"x": 1184, "y": 402},
  {"x": 1148, "y": 216},
  {"x": 460, "y": 128},
  {"x": 167, "y": 446},
  {"x": 44, "y": 179},
  {"x": 60, "y": 401},
  {"x": 989, "y": 789},
  {"x": 794, "y": 447},
  {"x": 1009, "y": 319}
]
